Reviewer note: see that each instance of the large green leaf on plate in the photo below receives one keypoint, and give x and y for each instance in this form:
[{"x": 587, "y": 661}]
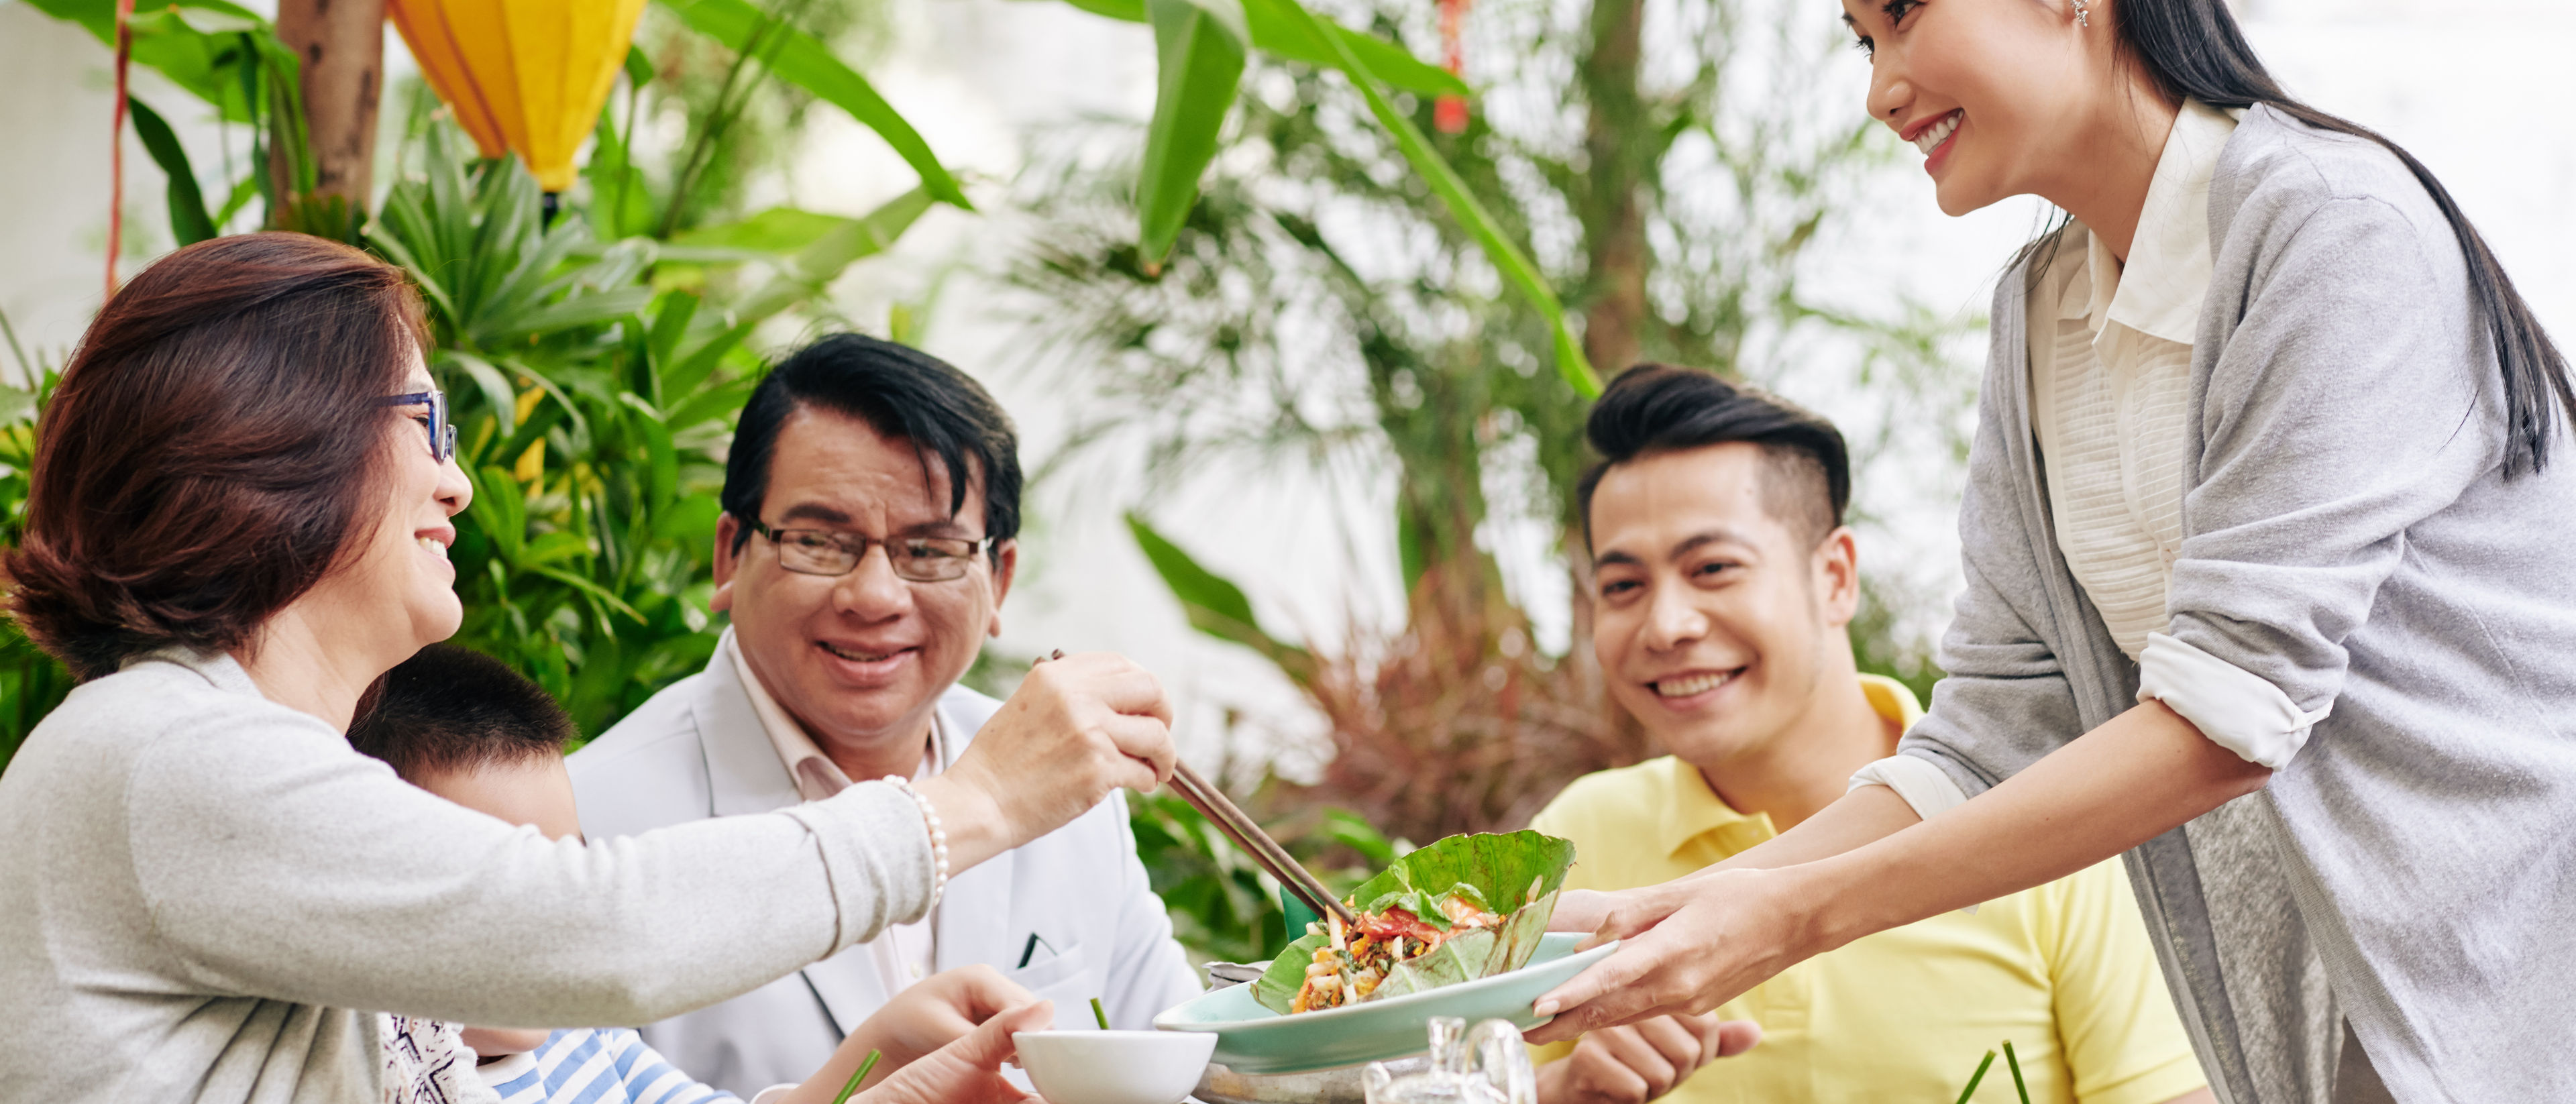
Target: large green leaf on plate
[
  {"x": 1516, "y": 872},
  {"x": 1200, "y": 45}
]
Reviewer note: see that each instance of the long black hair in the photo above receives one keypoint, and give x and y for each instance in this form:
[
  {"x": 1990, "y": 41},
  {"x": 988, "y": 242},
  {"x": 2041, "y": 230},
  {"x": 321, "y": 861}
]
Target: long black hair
[{"x": 2192, "y": 48}]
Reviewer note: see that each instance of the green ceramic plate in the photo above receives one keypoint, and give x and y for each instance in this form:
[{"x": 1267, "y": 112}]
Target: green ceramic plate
[{"x": 1253, "y": 1039}]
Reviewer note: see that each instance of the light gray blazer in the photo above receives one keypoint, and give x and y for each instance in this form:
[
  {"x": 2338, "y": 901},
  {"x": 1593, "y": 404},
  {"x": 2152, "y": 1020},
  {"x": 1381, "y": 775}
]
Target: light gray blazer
[
  {"x": 204, "y": 896},
  {"x": 2349, "y": 535},
  {"x": 697, "y": 751}
]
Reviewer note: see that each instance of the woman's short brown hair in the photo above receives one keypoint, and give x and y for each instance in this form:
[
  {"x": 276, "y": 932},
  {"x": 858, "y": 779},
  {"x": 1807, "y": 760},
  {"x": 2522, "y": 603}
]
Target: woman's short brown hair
[{"x": 212, "y": 447}]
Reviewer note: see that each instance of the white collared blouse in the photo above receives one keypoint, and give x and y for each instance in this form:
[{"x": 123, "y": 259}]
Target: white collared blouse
[{"x": 2110, "y": 379}]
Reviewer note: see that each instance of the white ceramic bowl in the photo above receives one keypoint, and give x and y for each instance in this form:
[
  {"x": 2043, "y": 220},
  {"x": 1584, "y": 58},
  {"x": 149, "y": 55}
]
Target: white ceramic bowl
[{"x": 1114, "y": 1067}]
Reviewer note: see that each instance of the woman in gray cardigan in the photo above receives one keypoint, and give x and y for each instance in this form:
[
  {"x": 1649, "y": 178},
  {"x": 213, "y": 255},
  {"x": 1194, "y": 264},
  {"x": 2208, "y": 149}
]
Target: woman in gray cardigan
[
  {"x": 2270, "y": 584},
  {"x": 234, "y": 528}
]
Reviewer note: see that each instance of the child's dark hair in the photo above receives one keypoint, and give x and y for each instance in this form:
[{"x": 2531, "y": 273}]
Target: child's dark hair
[
  {"x": 1657, "y": 408},
  {"x": 450, "y": 709}
]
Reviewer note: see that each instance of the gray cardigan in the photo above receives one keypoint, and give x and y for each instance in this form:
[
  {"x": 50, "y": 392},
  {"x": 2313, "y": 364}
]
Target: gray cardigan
[
  {"x": 2349, "y": 535},
  {"x": 203, "y": 894}
]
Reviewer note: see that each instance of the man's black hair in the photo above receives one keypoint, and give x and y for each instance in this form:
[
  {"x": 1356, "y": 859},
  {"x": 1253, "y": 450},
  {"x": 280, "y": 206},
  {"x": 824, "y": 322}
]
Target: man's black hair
[
  {"x": 1657, "y": 408},
  {"x": 450, "y": 709},
  {"x": 903, "y": 393}
]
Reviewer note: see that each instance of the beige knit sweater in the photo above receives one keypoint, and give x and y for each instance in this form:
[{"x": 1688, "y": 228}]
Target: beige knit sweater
[{"x": 205, "y": 896}]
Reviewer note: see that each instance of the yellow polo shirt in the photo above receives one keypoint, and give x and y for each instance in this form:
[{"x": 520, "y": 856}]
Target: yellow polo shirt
[{"x": 2064, "y": 971}]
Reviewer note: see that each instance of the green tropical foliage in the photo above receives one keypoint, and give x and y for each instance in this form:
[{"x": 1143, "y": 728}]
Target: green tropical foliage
[
  {"x": 579, "y": 571},
  {"x": 1317, "y": 309},
  {"x": 31, "y": 682},
  {"x": 227, "y": 56}
]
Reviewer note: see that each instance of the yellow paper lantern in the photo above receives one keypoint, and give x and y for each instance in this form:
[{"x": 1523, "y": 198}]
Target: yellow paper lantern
[{"x": 526, "y": 76}]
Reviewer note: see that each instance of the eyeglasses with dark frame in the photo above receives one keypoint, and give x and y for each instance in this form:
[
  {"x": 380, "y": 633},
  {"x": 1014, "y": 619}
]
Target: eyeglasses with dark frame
[
  {"x": 917, "y": 559},
  {"x": 442, "y": 434}
]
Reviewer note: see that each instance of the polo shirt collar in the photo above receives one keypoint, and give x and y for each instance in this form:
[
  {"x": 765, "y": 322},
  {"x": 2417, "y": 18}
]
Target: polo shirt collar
[{"x": 1692, "y": 809}]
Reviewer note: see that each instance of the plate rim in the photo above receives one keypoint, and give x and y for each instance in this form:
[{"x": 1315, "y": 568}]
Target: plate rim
[{"x": 1591, "y": 955}]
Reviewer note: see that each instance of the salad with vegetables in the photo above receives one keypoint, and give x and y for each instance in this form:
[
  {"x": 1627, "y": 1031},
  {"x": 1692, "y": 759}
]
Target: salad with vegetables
[{"x": 1465, "y": 908}]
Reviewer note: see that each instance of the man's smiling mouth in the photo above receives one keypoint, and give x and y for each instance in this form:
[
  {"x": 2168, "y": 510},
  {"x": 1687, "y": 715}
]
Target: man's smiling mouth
[
  {"x": 859, "y": 656},
  {"x": 1686, "y": 685}
]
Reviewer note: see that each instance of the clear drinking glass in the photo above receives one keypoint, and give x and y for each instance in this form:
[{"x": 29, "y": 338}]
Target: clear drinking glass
[{"x": 1485, "y": 1066}]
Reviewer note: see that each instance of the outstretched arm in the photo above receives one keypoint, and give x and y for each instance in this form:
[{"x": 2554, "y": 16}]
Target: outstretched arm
[{"x": 1696, "y": 943}]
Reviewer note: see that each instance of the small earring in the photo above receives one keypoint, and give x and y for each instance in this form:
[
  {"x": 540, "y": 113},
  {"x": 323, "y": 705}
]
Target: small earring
[{"x": 2083, "y": 17}]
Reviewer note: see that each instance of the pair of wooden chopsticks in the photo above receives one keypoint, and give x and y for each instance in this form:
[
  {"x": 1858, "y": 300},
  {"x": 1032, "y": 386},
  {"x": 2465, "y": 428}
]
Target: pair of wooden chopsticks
[{"x": 1239, "y": 826}]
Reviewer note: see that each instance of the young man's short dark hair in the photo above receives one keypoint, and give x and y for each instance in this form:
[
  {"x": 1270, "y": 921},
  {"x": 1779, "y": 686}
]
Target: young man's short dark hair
[
  {"x": 1657, "y": 408},
  {"x": 449, "y": 709},
  {"x": 901, "y": 392}
]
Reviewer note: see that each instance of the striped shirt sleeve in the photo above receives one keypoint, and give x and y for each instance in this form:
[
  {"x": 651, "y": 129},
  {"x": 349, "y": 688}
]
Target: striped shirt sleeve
[{"x": 604, "y": 1066}]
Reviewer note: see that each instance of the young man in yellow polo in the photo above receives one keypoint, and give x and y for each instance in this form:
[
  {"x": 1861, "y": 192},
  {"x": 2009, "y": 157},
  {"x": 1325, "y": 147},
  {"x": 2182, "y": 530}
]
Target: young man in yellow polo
[{"x": 1724, "y": 581}]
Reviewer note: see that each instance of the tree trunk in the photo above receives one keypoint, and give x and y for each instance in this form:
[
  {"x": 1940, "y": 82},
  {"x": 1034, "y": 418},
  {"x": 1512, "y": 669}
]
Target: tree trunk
[
  {"x": 341, "y": 46},
  {"x": 1618, "y": 144}
]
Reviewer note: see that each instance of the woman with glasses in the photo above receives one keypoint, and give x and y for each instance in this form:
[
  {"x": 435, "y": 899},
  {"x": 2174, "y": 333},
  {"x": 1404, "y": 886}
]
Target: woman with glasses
[
  {"x": 239, "y": 518},
  {"x": 2269, "y": 582}
]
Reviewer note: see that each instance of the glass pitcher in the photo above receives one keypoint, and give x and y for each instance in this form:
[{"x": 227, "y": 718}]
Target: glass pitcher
[{"x": 1486, "y": 1066}]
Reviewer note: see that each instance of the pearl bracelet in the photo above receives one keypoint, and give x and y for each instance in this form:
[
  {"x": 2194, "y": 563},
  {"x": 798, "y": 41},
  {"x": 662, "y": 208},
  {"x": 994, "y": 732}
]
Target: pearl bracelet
[{"x": 938, "y": 835}]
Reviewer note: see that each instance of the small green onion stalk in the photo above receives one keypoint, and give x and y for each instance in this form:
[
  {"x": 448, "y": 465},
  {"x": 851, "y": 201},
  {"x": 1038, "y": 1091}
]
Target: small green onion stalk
[
  {"x": 2011, "y": 1061},
  {"x": 866, "y": 1066}
]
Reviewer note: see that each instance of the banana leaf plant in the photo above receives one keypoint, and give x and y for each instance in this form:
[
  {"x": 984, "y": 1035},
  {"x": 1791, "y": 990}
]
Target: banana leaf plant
[
  {"x": 230, "y": 57},
  {"x": 1201, "y": 47}
]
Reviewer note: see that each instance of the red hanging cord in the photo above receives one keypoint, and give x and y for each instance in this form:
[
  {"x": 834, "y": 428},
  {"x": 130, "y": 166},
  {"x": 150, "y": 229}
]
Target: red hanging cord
[
  {"x": 116, "y": 144},
  {"x": 1449, "y": 112}
]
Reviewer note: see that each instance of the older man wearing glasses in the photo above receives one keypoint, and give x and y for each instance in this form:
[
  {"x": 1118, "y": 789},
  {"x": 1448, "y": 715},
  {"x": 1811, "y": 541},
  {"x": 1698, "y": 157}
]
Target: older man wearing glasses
[{"x": 871, "y": 500}]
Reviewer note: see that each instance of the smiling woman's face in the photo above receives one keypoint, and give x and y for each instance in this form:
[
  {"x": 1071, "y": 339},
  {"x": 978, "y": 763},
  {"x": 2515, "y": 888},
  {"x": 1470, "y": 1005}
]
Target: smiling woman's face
[
  {"x": 1995, "y": 92},
  {"x": 400, "y": 576}
]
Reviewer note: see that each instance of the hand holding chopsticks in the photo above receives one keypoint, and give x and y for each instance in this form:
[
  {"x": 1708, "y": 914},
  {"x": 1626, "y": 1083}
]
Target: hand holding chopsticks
[
  {"x": 1238, "y": 826},
  {"x": 1072, "y": 733}
]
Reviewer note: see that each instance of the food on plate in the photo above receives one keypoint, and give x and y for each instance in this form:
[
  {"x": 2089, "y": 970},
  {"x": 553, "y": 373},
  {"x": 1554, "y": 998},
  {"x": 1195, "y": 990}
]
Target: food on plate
[
  {"x": 1350, "y": 968},
  {"x": 1464, "y": 908}
]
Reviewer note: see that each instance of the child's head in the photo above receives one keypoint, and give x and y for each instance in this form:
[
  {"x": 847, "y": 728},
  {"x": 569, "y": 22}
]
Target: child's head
[
  {"x": 463, "y": 726},
  {"x": 467, "y": 728}
]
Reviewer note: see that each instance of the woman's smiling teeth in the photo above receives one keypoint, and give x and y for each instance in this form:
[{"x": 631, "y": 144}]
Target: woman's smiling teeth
[
  {"x": 1931, "y": 137},
  {"x": 1688, "y": 685},
  {"x": 435, "y": 546},
  {"x": 859, "y": 656}
]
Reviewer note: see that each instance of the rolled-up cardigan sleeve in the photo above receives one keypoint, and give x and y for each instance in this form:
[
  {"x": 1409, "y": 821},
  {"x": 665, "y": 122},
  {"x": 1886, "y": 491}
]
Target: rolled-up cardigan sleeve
[
  {"x": 275, "y": 862},
  {"x": 2350, "y": 401}
]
